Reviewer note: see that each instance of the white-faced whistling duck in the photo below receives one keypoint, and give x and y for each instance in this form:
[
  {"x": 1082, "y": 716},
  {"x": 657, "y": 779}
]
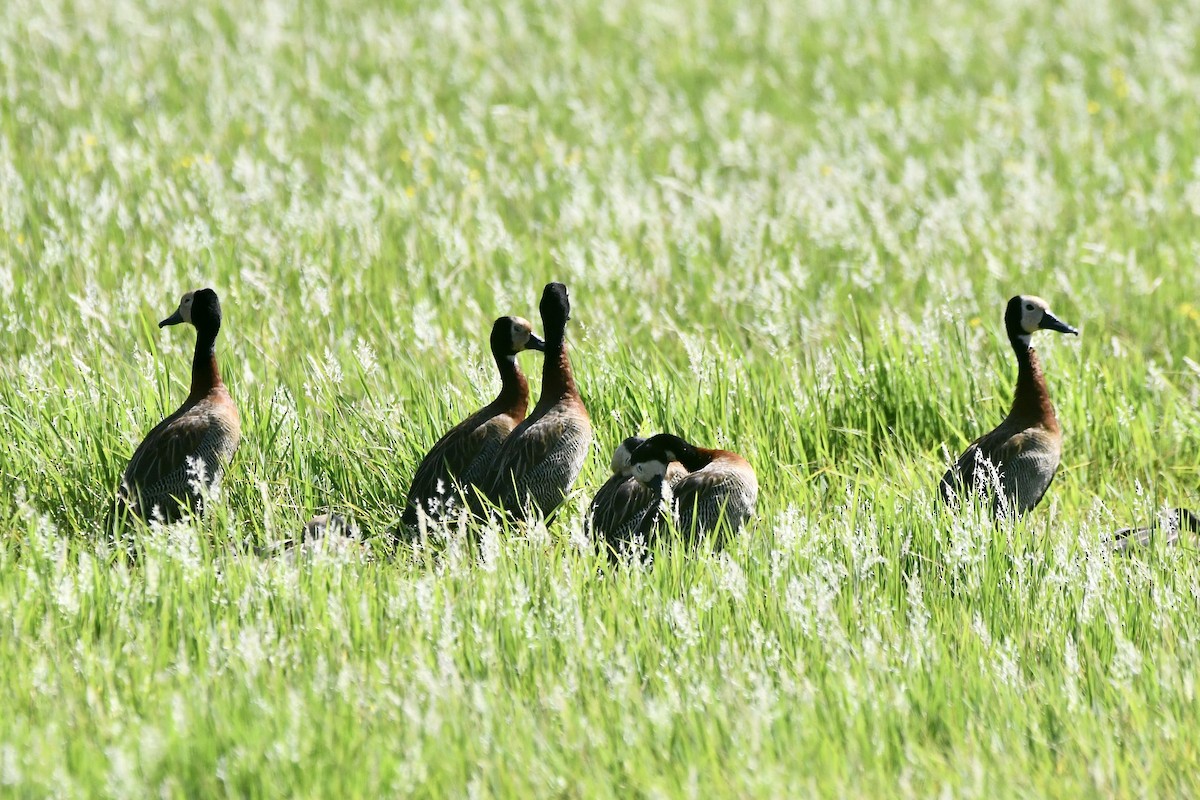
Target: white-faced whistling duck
[
  {"x": 459, "y": 460},
  {"x": 720, "y": 486},
  {"x": 185, "y": 455},
  {"x": 1169, "y": 528},
  {"x": 537, "y": 464},
  {"x": 617, "y": 509},
  {"x": 330, "y": 523},
  {"x": 1022, "y": 454},
  {"x": 329, "y": 533}
]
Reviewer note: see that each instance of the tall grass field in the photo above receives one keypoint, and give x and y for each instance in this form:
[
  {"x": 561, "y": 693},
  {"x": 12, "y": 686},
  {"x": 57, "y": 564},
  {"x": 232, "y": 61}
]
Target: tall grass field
[{"x": 789, "y": 229}]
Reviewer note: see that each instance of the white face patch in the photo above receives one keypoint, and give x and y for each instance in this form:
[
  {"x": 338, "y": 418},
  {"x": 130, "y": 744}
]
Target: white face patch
[
  {"x": 521, "y": 331},
  {"x": 647, "y": 471},
  {"x": 1032, "y": 311},
  {"x": 185, "y": 307},
  {"x": 620, "y": 461}
]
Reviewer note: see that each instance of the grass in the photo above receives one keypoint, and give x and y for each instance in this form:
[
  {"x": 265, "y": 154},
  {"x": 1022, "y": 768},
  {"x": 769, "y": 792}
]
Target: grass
[{"x": 788, "y": 229}]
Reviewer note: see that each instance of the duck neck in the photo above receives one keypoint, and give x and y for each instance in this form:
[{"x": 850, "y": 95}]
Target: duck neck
[
  {"x": 514, "y": 388},
  {"x": 1031, "y": 400},
  {"x": 206, "y": 376},
  {"x": 558, "y": 381},
  {"x": 692, "y": 457}
]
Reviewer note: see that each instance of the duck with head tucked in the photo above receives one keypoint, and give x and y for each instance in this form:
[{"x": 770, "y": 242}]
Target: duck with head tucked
[
  {"x": 538, "y": 463},
  {"x": 459, "y": 460},
  {"x": 182, "y": 460},
  {"x": 620, "y": 504},
  {"x": 720, "y": 486},
  {"x": 1016, "y": 462}
]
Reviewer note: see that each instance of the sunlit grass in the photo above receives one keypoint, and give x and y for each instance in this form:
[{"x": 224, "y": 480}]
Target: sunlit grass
[{"x": 788, "y": 229}]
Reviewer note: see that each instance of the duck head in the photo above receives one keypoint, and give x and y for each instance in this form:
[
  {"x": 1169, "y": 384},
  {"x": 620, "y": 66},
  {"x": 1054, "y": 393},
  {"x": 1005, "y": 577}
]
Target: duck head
[
  {"x": 555, "y": 308},
  {"x": 652, "y": 457},
  {"x": 1027, "y": 314},
  {"x": 622, "y": 459},
  {"x": 200, "y": 308},
  {"x": 512, "y": 335}
]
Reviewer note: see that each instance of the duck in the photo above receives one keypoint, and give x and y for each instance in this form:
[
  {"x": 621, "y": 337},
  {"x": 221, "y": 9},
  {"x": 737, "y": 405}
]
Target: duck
[
  {"x": 538, "y": 463},
  {"x": 329, "y": 523},
  {"x": 329, "y": 533},
  {"x": 458, "y": 461},
  {"x": 1177, "y": 521},
  {"x": 1025, "y": 449},
  {"x": 720, "y": 486},
  {"x": 183, "y": 458},
  {"x": 617, "y": 510}
]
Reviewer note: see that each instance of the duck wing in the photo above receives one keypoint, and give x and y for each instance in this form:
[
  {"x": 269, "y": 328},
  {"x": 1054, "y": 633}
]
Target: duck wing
[
  {"x": 537, "y": 465},
  {"x": 1021, "y": 464},
  {"x": 618, "y": 507},
  {"x": 530, "y": 444},
  {"x": 706, "y": 497},
  {"x": 170, "y": 458},
  {"x": 972, "y": 467},
  {"x": 454, "y": 459}
]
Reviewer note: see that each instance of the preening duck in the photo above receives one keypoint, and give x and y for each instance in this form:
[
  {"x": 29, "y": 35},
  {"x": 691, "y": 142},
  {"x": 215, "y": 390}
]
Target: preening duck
[
  {"x": 459, "y": 459},
  {"x": 184, "y": 457},
  {"x": 1022, "y": 454},
  {"x": 617, "y": 509},
  {"x": 1169, "y": 528},
  {"x": 719, "y": 486},
  {"x": 537, "y": 464}
]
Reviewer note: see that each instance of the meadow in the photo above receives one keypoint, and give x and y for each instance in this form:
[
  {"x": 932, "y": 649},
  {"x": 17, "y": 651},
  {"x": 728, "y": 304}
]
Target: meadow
[{"x": 788, "y": 228}]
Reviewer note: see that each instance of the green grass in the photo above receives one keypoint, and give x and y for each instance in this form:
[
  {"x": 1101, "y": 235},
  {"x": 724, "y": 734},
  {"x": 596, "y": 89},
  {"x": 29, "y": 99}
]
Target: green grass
[{"x": 788, "y": 229}]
